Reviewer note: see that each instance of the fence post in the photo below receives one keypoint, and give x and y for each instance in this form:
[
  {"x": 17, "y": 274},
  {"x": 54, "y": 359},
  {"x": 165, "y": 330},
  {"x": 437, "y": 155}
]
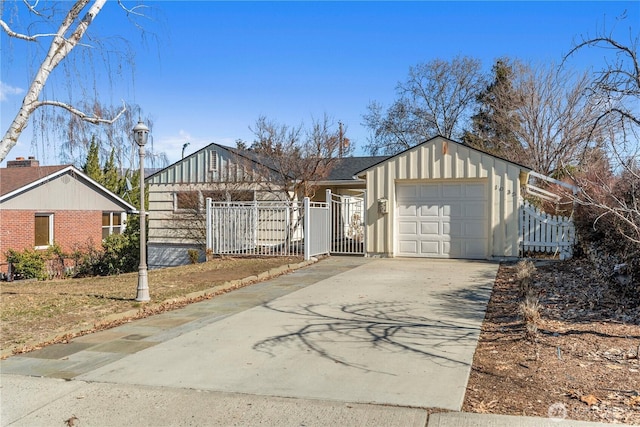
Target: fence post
[
  {"x": 209, "y": 238},
  {"x": 331, "y": 226},
  {"x": 306, "y": 227}
]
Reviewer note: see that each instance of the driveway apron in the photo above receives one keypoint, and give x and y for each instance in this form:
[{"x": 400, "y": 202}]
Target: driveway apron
[{"x": 390, "y": 331}]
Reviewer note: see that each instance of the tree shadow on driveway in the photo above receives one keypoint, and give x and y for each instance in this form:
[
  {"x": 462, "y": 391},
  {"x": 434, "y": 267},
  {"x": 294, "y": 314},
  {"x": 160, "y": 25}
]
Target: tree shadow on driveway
[{"x": 349, "y": 334}]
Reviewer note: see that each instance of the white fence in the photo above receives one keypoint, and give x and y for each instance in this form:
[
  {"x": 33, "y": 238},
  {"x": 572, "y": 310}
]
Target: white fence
[
  {"x": 316, "y": 228},
  {"x": 274, "y": 228},
  {"x": 542, "y": 232},
  {"x": 347, "y": 222}
]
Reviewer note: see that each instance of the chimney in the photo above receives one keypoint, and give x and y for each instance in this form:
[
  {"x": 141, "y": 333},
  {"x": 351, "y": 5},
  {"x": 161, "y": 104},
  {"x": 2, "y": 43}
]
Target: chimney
[{"x": 20, "y": 162}]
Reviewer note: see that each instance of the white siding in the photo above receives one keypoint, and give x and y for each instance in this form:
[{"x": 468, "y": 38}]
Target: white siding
[{"x": 443, "y": 160}]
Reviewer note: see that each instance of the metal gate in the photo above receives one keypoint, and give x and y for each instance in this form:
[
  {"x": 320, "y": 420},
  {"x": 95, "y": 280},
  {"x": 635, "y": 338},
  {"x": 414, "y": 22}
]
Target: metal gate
[
  {"x": 267, "y": 228},
  {"x": 347, "y": 226}
]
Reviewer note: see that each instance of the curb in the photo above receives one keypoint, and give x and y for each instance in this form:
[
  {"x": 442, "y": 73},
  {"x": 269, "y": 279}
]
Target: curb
[{"x": 150, "y": 309}]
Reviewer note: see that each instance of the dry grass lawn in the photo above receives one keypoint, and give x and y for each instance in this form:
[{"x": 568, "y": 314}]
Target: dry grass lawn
[{"x": 34, "y": 313}]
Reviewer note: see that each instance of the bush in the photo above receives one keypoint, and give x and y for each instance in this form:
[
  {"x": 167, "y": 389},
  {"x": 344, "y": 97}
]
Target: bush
[
  {"x": 28, "y": 264},
  {"x": 119, "y": 254},
  {"x": 194, "y": 255},
  {"x": 32, "y": 264},
  {"x": 609, "y": 227}
]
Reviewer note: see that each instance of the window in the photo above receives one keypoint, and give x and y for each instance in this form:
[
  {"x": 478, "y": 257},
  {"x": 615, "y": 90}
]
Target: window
[
  {"x": 112, "y": 223},
  {"x": 229, "y": 195},
  {"x": 44, "y": 231},
  {"x": 187, "y": 200}
]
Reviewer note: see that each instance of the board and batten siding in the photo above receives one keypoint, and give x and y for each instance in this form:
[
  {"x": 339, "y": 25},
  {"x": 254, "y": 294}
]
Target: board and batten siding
[
  {"x": 173, "y": 232},
  {"x": 211, "y": 168},
  {"x": 443, "y": 159}
]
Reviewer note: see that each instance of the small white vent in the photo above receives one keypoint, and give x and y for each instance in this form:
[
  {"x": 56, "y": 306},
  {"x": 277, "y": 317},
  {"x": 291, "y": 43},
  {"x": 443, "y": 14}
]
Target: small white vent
[{"x": 213, "y": 161}]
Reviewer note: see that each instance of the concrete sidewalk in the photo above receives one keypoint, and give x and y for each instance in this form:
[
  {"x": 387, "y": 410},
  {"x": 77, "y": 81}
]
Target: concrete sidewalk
[
  {"x": 51, "y": 402},
  {"x": 347, "y": 341}
]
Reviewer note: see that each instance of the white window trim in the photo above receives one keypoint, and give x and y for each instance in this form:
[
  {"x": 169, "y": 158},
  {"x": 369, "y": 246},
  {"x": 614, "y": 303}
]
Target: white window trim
[
  {"x": 51, "y": 240},
  {"x": 123, "y": 217}
]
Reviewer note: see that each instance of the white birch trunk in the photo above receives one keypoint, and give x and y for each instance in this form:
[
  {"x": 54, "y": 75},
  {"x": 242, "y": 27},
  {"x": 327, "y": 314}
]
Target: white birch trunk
[{"x": 59, "y": 49}]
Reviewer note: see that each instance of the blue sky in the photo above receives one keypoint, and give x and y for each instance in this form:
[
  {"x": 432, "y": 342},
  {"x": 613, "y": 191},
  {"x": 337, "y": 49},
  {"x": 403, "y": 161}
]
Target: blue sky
[{"x": 210, "y": 69}]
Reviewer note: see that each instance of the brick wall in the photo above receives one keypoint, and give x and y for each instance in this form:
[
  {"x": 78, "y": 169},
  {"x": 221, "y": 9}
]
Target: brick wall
[{"x": 71, "y": 230}]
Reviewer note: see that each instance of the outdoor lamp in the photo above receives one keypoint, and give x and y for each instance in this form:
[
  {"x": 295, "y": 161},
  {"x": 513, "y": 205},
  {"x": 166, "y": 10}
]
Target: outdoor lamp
[{"x": 140, "y": 135}]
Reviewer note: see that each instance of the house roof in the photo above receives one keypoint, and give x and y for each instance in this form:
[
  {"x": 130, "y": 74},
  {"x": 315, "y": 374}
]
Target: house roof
[
  {"x": 16, "y": 180},
  {"x": 361, "y": 171},
  {"x": 345, "y": 168},
  {"x": 246, "y": 154},
  {"x": 12, "y": 179}
]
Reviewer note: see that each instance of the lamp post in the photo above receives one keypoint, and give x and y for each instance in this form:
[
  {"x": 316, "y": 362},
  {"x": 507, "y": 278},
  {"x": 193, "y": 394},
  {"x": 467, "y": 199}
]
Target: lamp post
[{"x": 140, "y": 135}]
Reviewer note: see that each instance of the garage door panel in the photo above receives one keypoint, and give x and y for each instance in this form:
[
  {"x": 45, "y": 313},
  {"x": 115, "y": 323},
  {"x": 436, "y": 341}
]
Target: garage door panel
[
  {"x": 475, "y": 248},
  {"x": 428, "y": 192},
  {"x": 408, "y": 247},
  {"x": 429, "y": 211},
  {"x": 476, "y": 191},
  {"x": 427, "y": 228},
  {"x": 408, "y": 192},
  {"x": 474, "y": 211},
  {"x": 452, "y": 191},
  {"x": 452, "y": 210},
  {"x": 448, "y": 220},
  {"x": 408, "y": 211},
  {"x": 474, "y": 229},
  {"x": 429, "y": 248},
  {"x": 453, "y": 230},
  {"x": 453, "y": 249},
  {"x": 408, "y": 227}
]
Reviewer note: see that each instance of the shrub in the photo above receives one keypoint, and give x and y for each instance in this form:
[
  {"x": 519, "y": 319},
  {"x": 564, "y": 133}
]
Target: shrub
[
  {"x": 524, "y": 273},
  {"x": 119, "y": 254},
  {"x": 28, "y": 264},
  {"x": 530, "y": 311},
  {"x": 608, "y": 222},
  {"x": 33, "y": 264},
  {"x": 194, "y": 255}
]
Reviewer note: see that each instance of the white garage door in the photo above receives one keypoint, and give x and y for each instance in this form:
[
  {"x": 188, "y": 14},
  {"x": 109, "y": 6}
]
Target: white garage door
[{"x": 442, "y": 220}]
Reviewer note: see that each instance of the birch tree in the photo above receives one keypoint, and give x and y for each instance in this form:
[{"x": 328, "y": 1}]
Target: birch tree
[{"x": 69, "y": 35}]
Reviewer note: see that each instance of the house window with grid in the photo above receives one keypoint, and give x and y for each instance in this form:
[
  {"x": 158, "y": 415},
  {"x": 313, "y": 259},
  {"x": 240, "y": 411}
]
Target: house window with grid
[
  {"x": 43, "y": 231},
  {"x": 112, "y": 223}
]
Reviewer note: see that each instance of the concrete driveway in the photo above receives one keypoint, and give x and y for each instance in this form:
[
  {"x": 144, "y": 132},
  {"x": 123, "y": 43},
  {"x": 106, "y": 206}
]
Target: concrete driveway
[{"x": 389, "y": 331}]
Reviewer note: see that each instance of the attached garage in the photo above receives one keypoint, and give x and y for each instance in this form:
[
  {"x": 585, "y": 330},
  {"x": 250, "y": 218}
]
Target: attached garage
[{"x": 443, "y": 199}]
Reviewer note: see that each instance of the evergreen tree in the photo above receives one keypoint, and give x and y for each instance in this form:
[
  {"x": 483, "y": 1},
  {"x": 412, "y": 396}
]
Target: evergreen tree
[
  {"x": 494, "y": 126},
  {"x": 110, "y": 176},
  {"x": 92, "y": 166}
]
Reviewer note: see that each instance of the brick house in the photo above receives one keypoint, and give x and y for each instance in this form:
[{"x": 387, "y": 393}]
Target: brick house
[{"x": 43, "y": 205}]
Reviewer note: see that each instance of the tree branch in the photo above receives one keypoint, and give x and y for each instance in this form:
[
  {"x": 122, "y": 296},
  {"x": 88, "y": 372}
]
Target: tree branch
[
  {"x": 82, "y": 115},
  {"x": 20, "y": 36}
]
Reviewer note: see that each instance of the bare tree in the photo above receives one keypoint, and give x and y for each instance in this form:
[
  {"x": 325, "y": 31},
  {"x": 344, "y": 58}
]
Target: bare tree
[
  {"x": 617, "y": 89},
  {"x": 69, "y": 34},
  {"x": 558, "y": 123},
  {"x": 611, "y": 199},
  {"x": 436, "y": 99},
  {"x": 294, "y": 159}
]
